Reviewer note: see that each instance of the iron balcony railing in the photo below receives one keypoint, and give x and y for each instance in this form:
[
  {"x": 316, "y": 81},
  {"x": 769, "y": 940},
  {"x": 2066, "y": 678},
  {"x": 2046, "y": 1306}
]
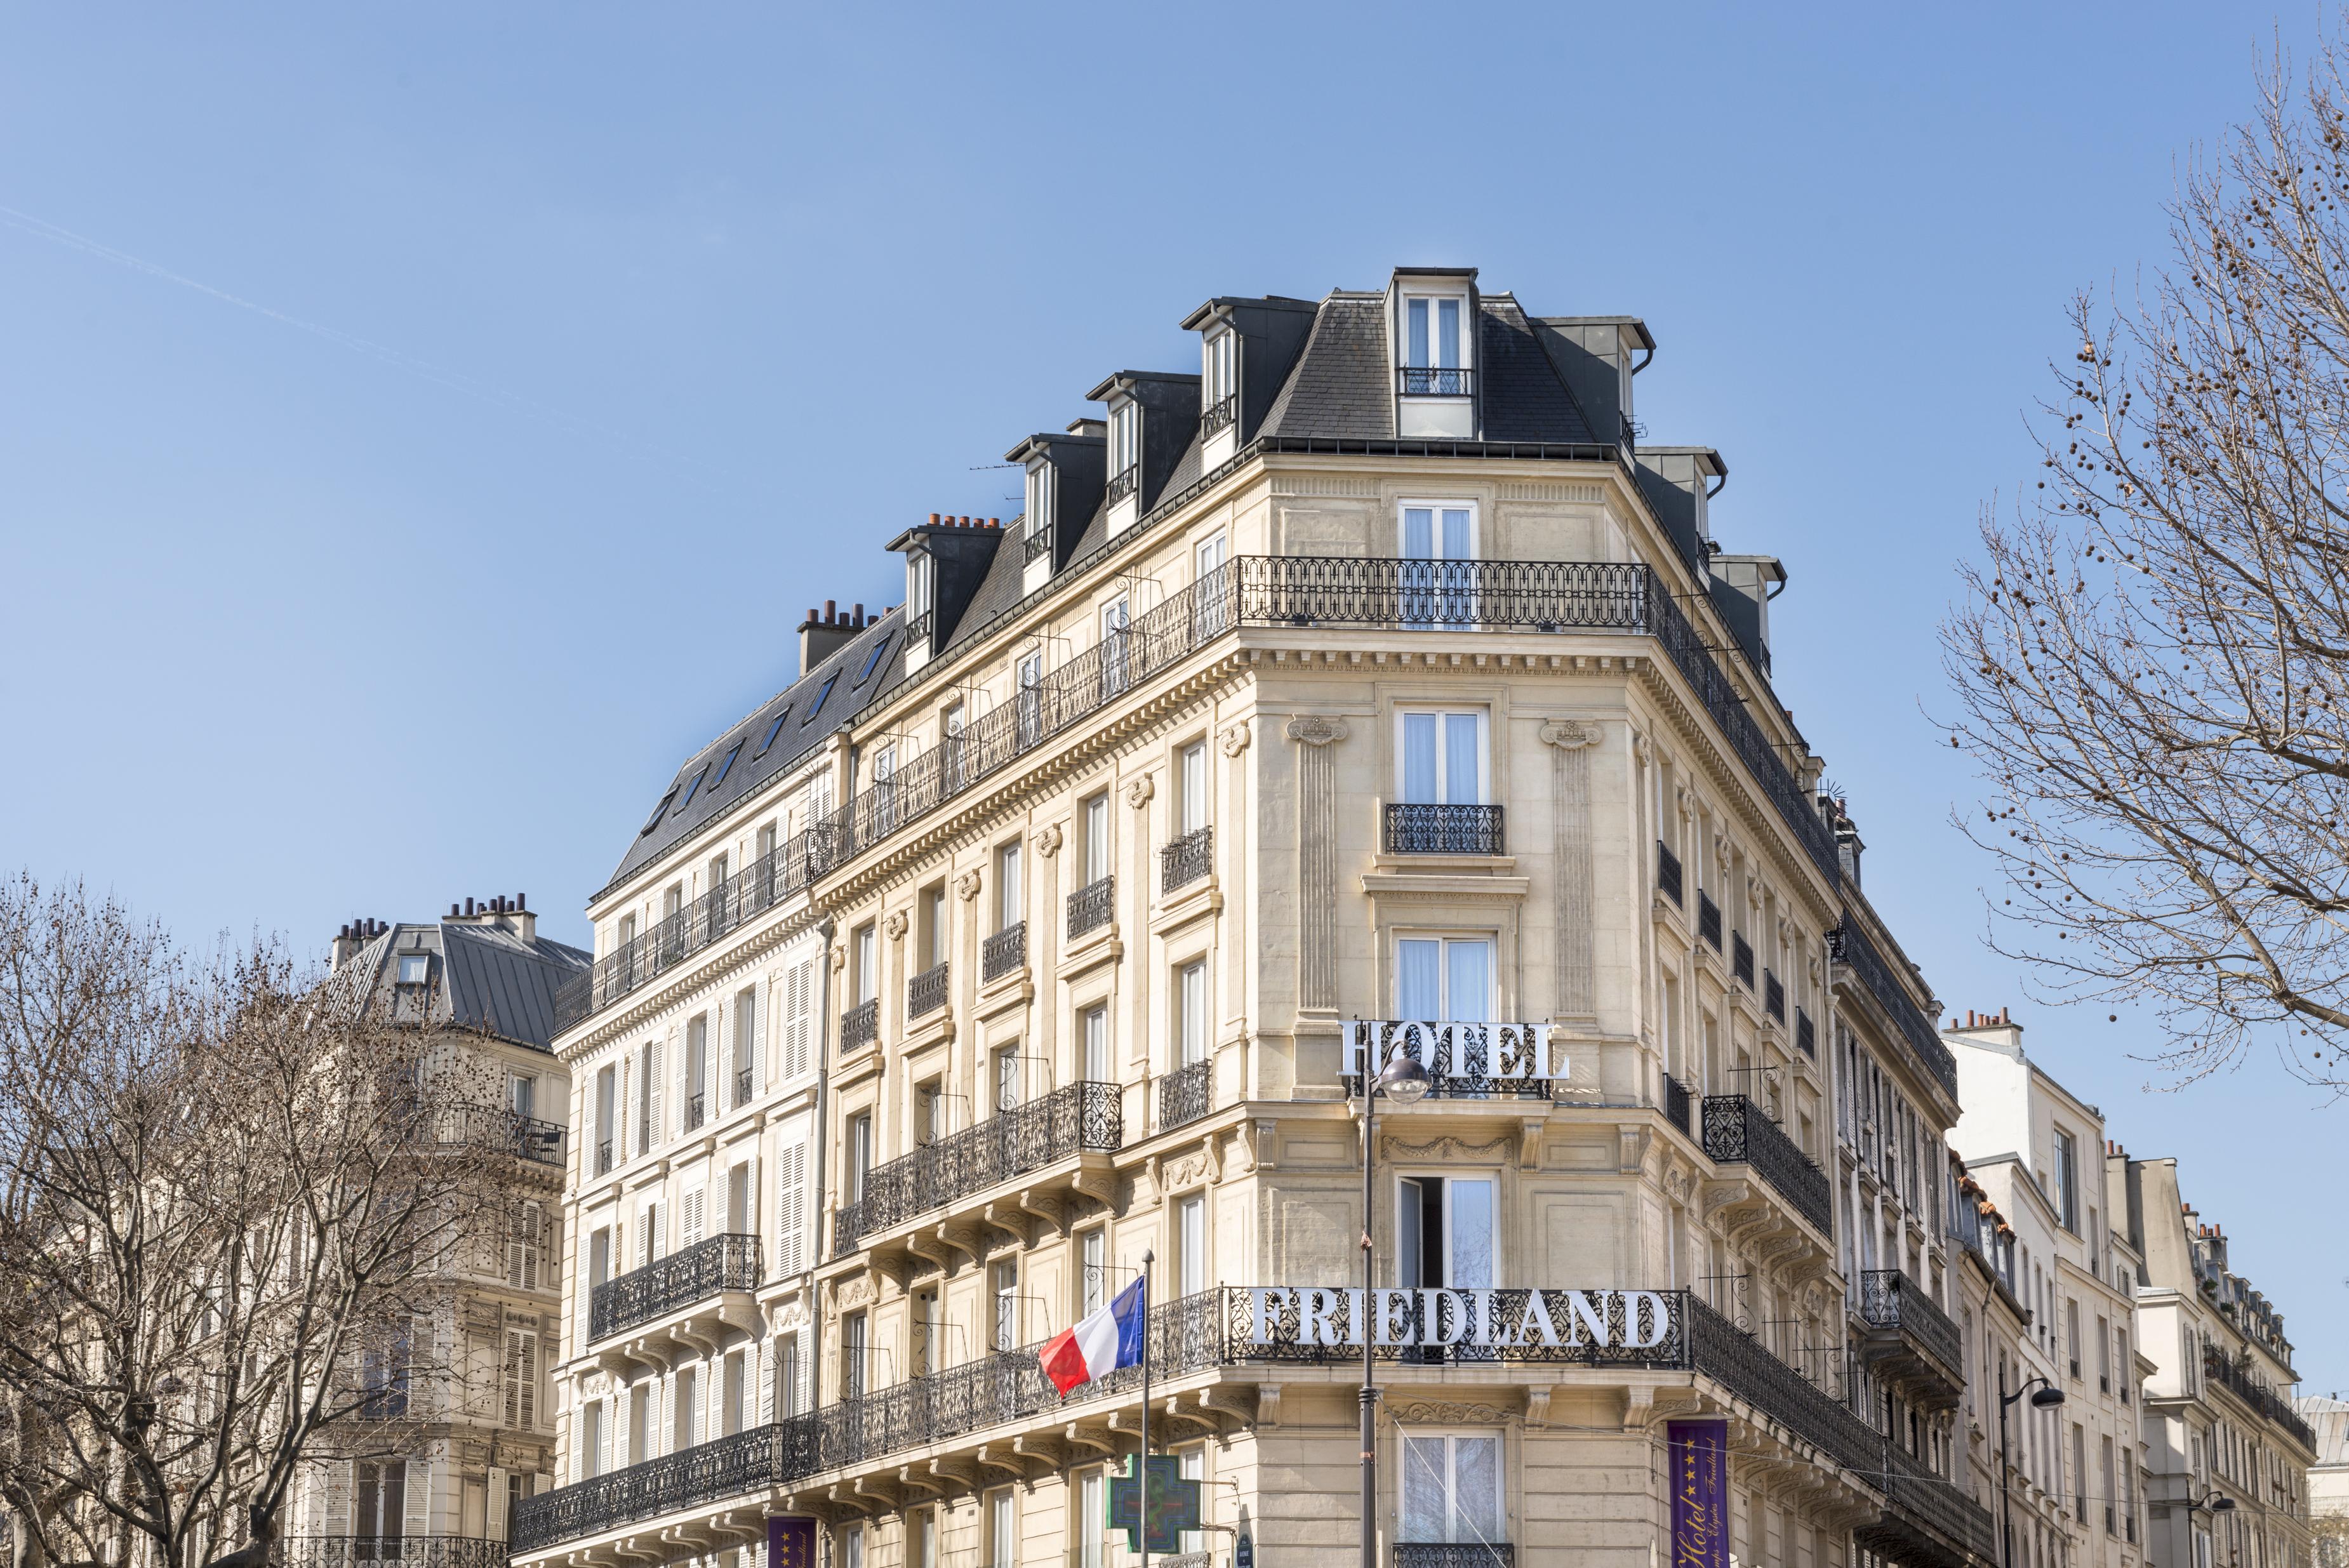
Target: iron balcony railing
[
  {"x": 1463, "y": 1061},
  {"x": 1850, "y": 944},
  {"x": 1888, "y": 1298},
  {"x": 1668, "y": 873},
  {"x": 693, "y": 1111},
  {"x": 604, "y": 1157},
  {"x": 1740, "y": 959},
  {"x": 1186, "y": 860},
  {"x": 1002, "y": 953},
  {"x": 742, "y": 1087},
  {"x": 1078, "y": 1117},
  {"x": 1708, "y": 919},
  {"x": 1124, "y": 484},
  {"x": 1259, "y": 591},
  {"x": 1414, "y": 828},
  {"x": 1220, "y": 414},
  {"x": 1805, "y": 1034},
  {"x": 388, "y": 1551},
  {"x": 918, "y": 627},
  {"x": 1433, "y": 381},
  {"x": 705, "y": 1269},
  {"x": 926, "y": 992},
  {"x": 1454, "y": 1554},
  {"x": 495, "y": 1127},
  {"x": 1038, "y": 544},
  {"x": 1738, "y": 1131},
  {"x": 1092, "y": 905},
  {"x": 1774, "y": 996},
  {"x": 2251, "y": 1391},
  {"x": 1676, "y": 1102},
  {"x": 1186, "y": 1094},
  {"x": 861, "y": 1025}
]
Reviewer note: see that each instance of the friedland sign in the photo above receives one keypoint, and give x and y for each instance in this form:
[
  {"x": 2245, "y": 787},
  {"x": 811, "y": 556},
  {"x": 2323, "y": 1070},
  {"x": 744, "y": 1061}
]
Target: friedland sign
[{"x": 1484, "y": 1319}]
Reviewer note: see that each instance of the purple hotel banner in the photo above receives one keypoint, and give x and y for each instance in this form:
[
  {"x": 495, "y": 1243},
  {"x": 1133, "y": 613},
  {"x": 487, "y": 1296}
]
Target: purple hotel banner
[
  {"x": 1699, "y": 1451},
  {"x": 790, "y": 1543}
]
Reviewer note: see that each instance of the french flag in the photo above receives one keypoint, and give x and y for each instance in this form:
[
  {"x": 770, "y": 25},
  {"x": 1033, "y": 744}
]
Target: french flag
[{"x": 1105, "y": 1341}]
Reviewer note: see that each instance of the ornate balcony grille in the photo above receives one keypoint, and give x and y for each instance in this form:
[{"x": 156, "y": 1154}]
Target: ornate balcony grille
[
  {"x": 1668, "y": 873},
  {"x": 1463, "y": 1061},
  {"x": 1806, "y": 1040},
  {"x": 1282, "y": 590},
  {"x": 926, "y": 992},
  {"x": 1454, "y": 1554},
  {"x": 1413, "y": 829},
  {"x": 703, "y": 1270},
  {"x": 1079, "y": 1117},
  {"x": 1186, "y": 859},
  {"x": 1676, "y": 1102},
  {"x": 1186, "y": 1094},
  {"x": 1737, "y": 1132},
  {"x": 2243, "y": 1385},
  {"x": 693, "y": 1111},
  {"x": 1740, "y": 959},
  {"x": 1773, "y": 997},
  {"x": 917, "y": 628},
  {"x": 1851, "y": 948},
  {"x": 1708, "y": 919},
  {"x": 861, "y": 1025},
  {"x": 495, "y": 1127},
  {"x": 742, "y": 1087},
  {"x": 1037, "y": 545},
  {"x": 1005, "y": 951},
  {"x": 1125, "y": 485},
  {"x": 1433, "y": 381},
  {"x": 1888, "y": 1298},
  {"x": 1219, "y": 416},
  {"x": 1092, "y": 905},
  {"x": 388, "y": 1551}
]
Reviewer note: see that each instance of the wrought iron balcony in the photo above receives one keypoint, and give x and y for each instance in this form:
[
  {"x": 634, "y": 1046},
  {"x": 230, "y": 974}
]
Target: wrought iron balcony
[
  {"x": 1668, "y": 873},
  {"x": 1002, "y": 953},
  {"x": 1433, "y": 381},
  {"x": 604, "y": 1157},
  {"x": 1926, "y": 1518},
  {"x": 1737, "y": 1131},
  {"x": 1853, "y": 950},
  {"x": 509, "y": 1131},
  {"x": 1079, "y": 1117},
  {"x": 1676, "y": 1102},
  {"x": 1092, "y": 905},
  {"x": 1740, "y": 959},
  {"x": 742, "y": 1087},
  {"x": 1412, "y": 829},
  {"x": 693, "y": 1108},
  {"x": 1186, "y": 1094},
  {"x": 1909, "y": 1336},
  {"x": 1186, "y": 859},
  {"x": 737, "y": 1466},
  {"x": 1124, "y": 484},
  {"x": 1037, "y": 545},
  {"x": 1806, "y": 1039},
  {"x": 1708, "y": 919},
  {"x": 707, "y": 1268},
  {"x": 1774, "y": 996},
  {"x": 861, "y": 1025},
  {"x": 1220, "y": 414},
  {"x": 1463, "y": 1061},
  {"x": 388, "y": 1551},
  {"x": 2251, "y": 1391},
  {"x": 1454, "y": 1554},
  {"x": 926, "y": 992},
  {"x": 918, "y": 627}
]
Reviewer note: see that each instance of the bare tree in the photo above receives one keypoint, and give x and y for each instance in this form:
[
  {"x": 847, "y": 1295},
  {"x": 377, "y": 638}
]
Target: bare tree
[
  {"x": 226, "y": 1202},
  {"x": 2154, "y": 659}
]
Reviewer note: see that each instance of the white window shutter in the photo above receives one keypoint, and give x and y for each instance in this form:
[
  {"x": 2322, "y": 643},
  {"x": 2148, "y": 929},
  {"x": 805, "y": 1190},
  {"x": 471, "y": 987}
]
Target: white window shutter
[
  {"x": 336, "y": 1505},
  {"x": 791, "y": 1202},
  {"x": 496, "y": 1512},
  {"x": 417, "y": 1518},
  {"x": 693, "y": 1217},
  {"x": 655, "y": 1082}
]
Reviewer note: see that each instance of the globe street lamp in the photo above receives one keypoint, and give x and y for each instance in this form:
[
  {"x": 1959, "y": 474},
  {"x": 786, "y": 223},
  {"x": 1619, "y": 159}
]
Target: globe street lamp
[
  {"x": 2046, "y": 1398},
  {"x": 1405, "y": 1082}
]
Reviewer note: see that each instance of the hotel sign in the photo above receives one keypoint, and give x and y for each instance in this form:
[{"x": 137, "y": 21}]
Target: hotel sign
[
  {"x": 1475, "y": 1324},
  {"x": 1504, "y": 1053}
]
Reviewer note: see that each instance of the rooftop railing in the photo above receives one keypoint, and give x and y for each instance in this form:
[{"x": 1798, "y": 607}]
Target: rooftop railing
[
  {"x": 1077, "y": 1118},
  {"x": 1850, "y": 944}
]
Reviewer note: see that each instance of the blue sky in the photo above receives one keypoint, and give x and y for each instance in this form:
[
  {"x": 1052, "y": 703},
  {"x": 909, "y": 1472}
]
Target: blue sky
[{"x": 460, "y": 404}]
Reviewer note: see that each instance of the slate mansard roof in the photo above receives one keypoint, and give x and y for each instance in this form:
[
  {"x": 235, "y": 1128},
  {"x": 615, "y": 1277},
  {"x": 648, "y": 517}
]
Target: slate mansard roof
[
  {"x": 491, "y": 974},
  {"x": 1337, "y": 384}
]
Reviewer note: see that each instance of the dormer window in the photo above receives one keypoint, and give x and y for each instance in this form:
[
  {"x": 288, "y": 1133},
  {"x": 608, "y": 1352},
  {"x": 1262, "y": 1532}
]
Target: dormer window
[
  {"x": 1219, "y": 400},
  {"x": 921, "y": 595},
  {"x": 1124, "y": 449},
  {"x": 1037, "y": 541},
  {"x": 1434, "y": 346}
]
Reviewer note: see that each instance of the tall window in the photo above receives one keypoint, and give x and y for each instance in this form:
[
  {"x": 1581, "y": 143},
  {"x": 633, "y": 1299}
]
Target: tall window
[
  {"x": 851, "y": 1547},
  {"x": 1007, "y": 1077},
  {"x": 1437, "y": 582},
  {"x": 1096, "y": 1033},
  {"x": 1452, "y": 1488},
  {"x": 860, "y": 1154},
  {"x": 853, "y": 1356},
  {"x": 1191, "y": 1244},
  {"x": 1039, "y": 499},
  {"x": 1221, "y": 362},
  {"x": 1212, "y": 606},
  {"x": 1114, "y": 675},
  {"x": 697, "y": 1069},
  {"x": 1031, "y": 699},
  {"x": 1093, "y": 1509},
  {"x": 648, "y": 1088},
  {"x": 1092, "y": 1285},
  {"x": 1443, "y": 978},
  {"x": 867, "y": 966},
  {"x": 1444, "y": 1233},
  {"x": 1191, "y": 1001},
  {"x": 2067, "y": 1185},
  {"x": 607, "y": 1084},
  {"x": 1431, "y": 342},
  {"x": 950, "y": 747},
  {"x": 746, "y": 1041},
  {"x": 1008, "y": 909},
  {"x": 1124, "y": 439},
  {"x": 1194, "y": 761},
  {"x": 1097, "y": 837},
  {"x": 787, "y": 1378},
  {"x": 1003, "y": 1288},
  {"x": 1440, "y": 758},
  {"x": 595, "y": 1443},
  {"x": 920, "y": 583},
  {"x": 1002, "y": 1535},
  {"x": 520, "y": 1380},
  {"x": 933, "y": 928},
  {"x": 884, "y": 789},
  {"x": 382, "y": 1500}
]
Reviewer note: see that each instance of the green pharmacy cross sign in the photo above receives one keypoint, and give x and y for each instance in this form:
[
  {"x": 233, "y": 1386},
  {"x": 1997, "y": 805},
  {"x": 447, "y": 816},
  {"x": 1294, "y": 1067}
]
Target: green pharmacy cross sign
[{"x": 1174, "y": 1506}]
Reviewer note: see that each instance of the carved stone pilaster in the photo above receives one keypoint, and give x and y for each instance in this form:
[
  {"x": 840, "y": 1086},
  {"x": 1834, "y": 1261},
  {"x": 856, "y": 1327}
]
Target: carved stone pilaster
[
  {"x": 1316, "y": 859},
  {"x": 1571, "y": 743}
]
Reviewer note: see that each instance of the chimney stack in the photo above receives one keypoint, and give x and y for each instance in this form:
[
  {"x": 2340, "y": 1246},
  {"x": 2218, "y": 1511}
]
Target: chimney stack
[{"x": 823, "y": 635}]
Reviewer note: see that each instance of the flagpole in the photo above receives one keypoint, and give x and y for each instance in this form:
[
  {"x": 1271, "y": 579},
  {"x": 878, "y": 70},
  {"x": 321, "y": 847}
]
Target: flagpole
[{"x": 1142, "y": 1465}]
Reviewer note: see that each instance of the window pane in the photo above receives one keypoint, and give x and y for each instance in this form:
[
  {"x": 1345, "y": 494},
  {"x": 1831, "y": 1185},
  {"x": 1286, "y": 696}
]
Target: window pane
[
  {"x": 1447, "y": 333},
  {"x": 1456, "y": 534},
  {"x": 1471, "y": 1234},
  {"x": 1463, "y": 760},
  {"x": 1410, "y": 1244},
  {"x": 1419, "y": 785},
  {"x": 1416, "y": 312},
  {"x": 1425, "y": 1484},
  {"x": 1468, "y": 971},
  {"x": 1418, "y": 533},
  {"x": 1476, "y": 1489},
  {"x": 1417, "y": 981}
]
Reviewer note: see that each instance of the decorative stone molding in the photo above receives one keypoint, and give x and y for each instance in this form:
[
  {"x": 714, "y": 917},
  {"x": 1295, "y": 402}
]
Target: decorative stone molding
[
  {"x": 1316, "y": 859},
  {"x": 1047, "y": 842},
  {"x": 1446, "y": 1148},
  {"x": 1569, "y": 733},
  {"x": 1642, "y": 751},
  {"x": 895, "y": 925},
  {"x": 1572, "y": 743},
  {"x": 1684, "y": 802},
  {"x": 839, "y": 955},
  {"x": 1138, "y": 791},
  {"x": 967, "y": 886},
  {"x": 1444, "y": 1412},
  {"x": 1315, "y": 730},
  {"x": 1235, "y": 737}
]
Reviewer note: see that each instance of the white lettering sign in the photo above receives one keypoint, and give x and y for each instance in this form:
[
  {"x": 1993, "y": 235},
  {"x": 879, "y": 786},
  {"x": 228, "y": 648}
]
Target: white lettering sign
[
  {"x": 1505, "y": 1053},
  {"x": 1484, "y": 1318}
]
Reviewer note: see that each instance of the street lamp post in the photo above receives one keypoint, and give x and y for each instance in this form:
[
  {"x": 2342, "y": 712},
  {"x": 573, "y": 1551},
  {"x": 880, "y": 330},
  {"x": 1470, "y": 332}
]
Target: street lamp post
[
  {"x": 2217, "y": 1502},
  {"x": 1404, "y": 1081},
  {"x": 2045, "y": 1398}
]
